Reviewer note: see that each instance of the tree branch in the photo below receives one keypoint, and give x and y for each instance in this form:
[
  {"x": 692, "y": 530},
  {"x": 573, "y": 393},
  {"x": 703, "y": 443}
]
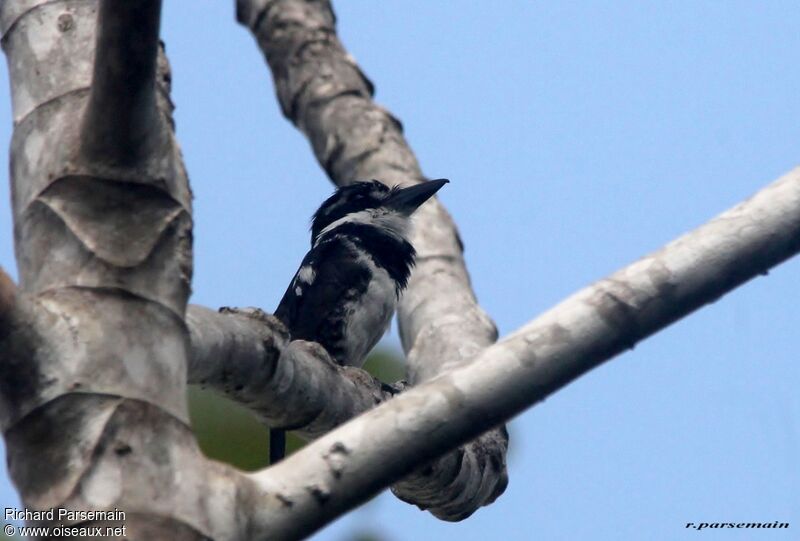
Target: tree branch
[
  {"x": 348, "y": 465},
  {"x": 18, "y": 342},
  {"x": 8, "y": 294},
  {"x": 120, "y": 125},
  {"x": 325, "y": 94},
  {"x": 100, "y": 397},
  {"x": 246, "y": 355}
]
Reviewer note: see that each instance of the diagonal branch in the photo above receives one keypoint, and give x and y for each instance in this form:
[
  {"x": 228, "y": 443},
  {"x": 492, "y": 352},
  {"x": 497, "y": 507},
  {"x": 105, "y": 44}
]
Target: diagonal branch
[
  {"x": 325, "y": 94},
  {"x": 348, "y": 465}
]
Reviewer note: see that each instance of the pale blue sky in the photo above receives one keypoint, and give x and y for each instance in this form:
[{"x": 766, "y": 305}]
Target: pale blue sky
[{"x": 578, "y": 136}]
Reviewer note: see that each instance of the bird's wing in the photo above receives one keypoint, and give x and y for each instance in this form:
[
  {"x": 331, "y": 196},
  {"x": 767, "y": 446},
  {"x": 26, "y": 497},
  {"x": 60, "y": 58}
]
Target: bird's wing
[{"x": 313, "y": 307}]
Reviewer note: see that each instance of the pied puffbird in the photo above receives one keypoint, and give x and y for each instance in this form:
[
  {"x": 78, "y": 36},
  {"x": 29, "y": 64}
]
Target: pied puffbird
[{"x": 347, "y": 287}]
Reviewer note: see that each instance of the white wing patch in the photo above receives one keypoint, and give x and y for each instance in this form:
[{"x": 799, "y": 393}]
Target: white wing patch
[
  {"x": 298, "y": 291},
  {"x": 306, "y": 274}
]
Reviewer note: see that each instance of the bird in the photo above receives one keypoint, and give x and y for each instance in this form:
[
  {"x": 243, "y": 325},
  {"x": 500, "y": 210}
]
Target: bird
[{"x": 345, "y": 292}]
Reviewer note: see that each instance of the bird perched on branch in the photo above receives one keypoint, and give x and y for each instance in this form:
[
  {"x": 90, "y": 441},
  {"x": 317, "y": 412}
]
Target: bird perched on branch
[{"x": 346, "y": 290}]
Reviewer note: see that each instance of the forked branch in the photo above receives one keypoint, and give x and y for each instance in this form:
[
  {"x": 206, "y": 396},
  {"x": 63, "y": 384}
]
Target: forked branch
[{"x": 325, "y": 94}]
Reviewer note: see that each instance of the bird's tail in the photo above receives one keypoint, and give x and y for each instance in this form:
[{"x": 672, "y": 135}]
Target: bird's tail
[{"x": 277, "y": 445}]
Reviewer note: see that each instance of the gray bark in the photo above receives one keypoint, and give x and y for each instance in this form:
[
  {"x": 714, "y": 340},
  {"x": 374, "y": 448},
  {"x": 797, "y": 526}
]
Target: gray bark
[
  {"x": 94, "y": 413},
  {"x": 94, "y": 342},
  {"x": 324, "y": 93},
  {"x": 246, "y": 355}
]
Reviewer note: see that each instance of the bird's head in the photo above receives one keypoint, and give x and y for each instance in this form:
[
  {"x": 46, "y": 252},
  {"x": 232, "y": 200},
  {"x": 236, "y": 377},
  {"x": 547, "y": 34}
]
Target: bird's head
[{"x": 372, "y": 203}]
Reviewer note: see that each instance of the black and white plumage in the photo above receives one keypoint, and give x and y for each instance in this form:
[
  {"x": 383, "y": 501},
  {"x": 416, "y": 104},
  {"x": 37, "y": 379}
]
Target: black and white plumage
[{"x": 347, "y": 287}]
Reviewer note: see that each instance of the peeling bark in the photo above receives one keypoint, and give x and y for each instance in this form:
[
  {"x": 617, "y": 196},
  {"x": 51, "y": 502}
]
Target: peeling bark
[{"x": 325, "y": 94}]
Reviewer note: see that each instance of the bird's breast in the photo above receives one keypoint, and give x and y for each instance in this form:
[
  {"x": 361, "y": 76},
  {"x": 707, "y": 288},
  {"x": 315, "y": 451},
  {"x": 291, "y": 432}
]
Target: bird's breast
[{"x": 369, "y": 316}]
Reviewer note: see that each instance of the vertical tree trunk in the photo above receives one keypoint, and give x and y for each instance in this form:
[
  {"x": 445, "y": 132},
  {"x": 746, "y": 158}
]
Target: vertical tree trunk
[
  {"x": 96, "y": 419},
  {"x": 325, "y": 94}
]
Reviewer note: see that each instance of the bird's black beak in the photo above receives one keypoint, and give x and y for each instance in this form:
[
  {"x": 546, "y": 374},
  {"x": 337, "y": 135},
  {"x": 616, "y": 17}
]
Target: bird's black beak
[{"x": 407, "y": 200}]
